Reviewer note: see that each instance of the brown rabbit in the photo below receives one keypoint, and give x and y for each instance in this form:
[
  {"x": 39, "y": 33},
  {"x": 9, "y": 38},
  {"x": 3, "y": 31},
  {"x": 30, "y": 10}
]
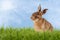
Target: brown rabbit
[{"x": 39, "y": 22}]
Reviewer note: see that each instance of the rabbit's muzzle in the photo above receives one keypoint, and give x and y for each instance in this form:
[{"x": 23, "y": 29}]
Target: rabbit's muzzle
[{"x": 34, "y": 17}]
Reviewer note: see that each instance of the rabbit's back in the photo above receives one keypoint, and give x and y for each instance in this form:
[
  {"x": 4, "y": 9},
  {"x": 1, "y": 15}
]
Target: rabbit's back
[
  {"x": 48, "y": 25},
  {"x": 42, "y": 24}
]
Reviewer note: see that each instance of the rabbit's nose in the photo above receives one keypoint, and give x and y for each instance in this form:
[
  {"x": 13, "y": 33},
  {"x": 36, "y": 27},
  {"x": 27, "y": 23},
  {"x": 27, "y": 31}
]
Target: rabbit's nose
[{"x": 31, "y": 17}]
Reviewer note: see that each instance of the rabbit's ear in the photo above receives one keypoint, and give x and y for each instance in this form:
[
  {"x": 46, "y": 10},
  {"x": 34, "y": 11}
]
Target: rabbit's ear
[
  {"x": 44, "y": 11},
  {"x": 39, "y": 8}
]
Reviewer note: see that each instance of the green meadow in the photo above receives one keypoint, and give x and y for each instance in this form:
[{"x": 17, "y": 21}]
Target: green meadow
[{"x": 27, "y": 34}]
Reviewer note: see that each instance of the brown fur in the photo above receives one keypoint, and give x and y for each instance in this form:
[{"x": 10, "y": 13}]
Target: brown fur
[{"x": 39, "y": 22}]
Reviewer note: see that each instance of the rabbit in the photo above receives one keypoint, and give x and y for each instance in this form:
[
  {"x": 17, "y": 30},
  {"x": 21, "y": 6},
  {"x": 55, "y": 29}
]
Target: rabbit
[{"x": 39, "y": 22}]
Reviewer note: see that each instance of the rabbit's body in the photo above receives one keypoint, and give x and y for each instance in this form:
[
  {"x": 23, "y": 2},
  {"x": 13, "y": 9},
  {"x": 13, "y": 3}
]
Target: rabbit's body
[
  {"x": 39, "y": 22},
  {"x": 42, "y": 24}
]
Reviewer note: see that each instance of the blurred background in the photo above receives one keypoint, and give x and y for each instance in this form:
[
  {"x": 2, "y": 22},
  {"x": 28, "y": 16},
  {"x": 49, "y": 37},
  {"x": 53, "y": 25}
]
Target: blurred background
[{"x": 17, "y": 13}]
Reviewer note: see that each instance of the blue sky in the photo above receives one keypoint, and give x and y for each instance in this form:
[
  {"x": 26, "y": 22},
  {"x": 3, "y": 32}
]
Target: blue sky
[{"x": 18, "y": 15}]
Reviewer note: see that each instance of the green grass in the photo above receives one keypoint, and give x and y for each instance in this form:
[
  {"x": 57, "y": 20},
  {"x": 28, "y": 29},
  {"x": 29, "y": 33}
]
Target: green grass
[{"x": 27, "y": 34}]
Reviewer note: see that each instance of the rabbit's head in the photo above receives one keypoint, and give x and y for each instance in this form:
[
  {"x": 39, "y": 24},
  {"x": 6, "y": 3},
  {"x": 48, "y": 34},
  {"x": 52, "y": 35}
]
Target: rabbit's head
[
  {"x": 38, "y": 15},
  {"x": 35, "y": 16}
]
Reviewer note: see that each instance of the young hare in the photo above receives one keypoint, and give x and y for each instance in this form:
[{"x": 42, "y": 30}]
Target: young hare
[{"x": 39, "y": 22}]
